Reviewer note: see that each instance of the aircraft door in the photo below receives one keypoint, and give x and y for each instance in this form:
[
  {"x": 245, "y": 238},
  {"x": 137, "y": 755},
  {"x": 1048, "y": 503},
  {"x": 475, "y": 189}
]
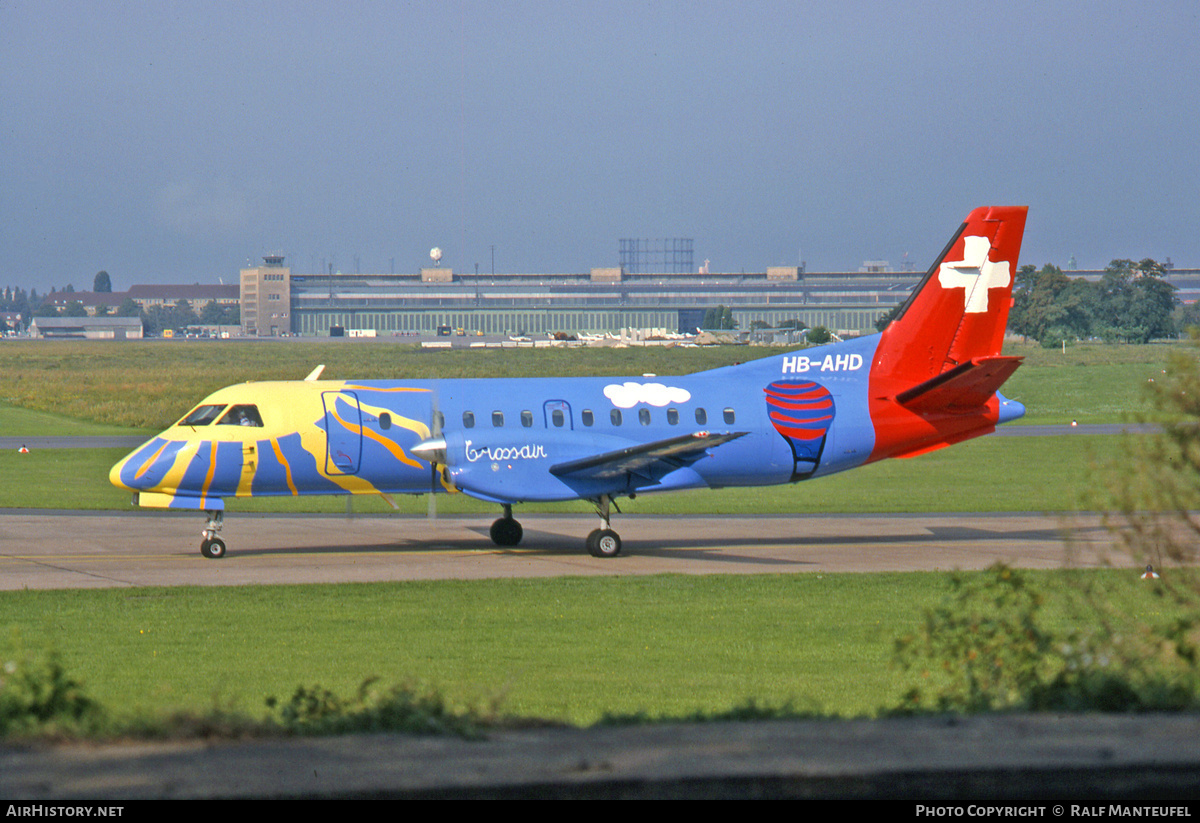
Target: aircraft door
[
  {"x": 343, "y": 432},
  {"x": 558, "y": 414}
]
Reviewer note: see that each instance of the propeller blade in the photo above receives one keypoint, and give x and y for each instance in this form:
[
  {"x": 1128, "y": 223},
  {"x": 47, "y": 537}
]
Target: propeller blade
[{"x": 435, "y": 448}]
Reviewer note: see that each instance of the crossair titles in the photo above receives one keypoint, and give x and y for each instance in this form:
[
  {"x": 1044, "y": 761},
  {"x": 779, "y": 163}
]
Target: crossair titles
[{"x": 529, "y": 451}]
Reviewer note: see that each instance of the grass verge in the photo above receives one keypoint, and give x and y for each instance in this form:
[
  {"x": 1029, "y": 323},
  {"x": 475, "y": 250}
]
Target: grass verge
[{"x": 567, "y": 650}]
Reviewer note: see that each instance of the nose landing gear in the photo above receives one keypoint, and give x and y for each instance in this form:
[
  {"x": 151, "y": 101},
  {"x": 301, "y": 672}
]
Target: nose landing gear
[{"x": 212, "y": 546}]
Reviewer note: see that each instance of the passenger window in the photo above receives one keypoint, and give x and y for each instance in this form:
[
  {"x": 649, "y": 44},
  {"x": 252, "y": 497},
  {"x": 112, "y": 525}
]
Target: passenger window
[
  {"x": 556, "y": 418},
  {"x": 468, "y": 420},
  {"x": 587, "y": 417},
  {"x": 526, "y": 419},
  {"x": 615, "y": 417},
  {"x": 728, "y": 415},
  {"x": 202, "y": 416},
  {"x": 498, "y": 419},
  {"x": 644, "y": 417},
  {"x": 385, "y": 421},
  {"x": 673, "y": 417},
  {"x": 701, "y": 416},
  {"x": 241, "y": 416}
]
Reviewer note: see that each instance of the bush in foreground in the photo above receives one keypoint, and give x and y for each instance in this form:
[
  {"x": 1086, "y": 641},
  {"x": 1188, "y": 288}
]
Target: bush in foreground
[{"x": 989, "y": 646}]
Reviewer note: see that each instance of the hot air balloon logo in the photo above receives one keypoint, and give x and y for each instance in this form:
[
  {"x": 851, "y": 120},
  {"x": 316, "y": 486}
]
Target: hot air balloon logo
[{"x": 802, "y": 412}]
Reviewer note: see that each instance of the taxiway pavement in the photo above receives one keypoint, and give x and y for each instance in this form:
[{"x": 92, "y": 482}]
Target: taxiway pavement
[{"x": 58, "y": 550}]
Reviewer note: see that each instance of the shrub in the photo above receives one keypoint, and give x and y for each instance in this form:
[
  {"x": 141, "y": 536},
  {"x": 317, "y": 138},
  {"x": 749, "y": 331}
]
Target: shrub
[
  {"x": 38, "y": 697},
  {"x": 403, "y": 708},
  {"x": 989, "y": 646}
]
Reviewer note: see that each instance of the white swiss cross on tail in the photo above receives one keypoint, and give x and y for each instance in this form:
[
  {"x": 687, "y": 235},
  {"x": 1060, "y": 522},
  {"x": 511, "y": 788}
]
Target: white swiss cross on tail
[{"x": 975, "y": 274}]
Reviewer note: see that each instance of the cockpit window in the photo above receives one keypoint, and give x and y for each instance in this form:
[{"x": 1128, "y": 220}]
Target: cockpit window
[
  {"x": 202, "y": 415},
  {"x": 241, "y": 416}
]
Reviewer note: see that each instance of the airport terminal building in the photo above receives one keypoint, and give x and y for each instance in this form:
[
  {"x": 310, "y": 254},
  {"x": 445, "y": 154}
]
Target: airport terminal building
[{"x": 275, "y": 301}]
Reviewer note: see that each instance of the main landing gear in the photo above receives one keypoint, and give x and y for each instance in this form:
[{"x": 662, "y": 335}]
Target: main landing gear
[
  {"x": 506, "y": 531},
  {"x": 603, "y": 542},
  {"x": 212, "y": 546}
]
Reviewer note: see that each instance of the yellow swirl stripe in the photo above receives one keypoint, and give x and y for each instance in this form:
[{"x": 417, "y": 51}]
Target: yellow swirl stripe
[{"x": 287, "y": 468}]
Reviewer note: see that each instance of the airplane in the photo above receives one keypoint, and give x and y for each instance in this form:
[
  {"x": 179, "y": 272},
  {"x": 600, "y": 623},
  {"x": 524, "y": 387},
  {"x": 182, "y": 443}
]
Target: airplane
[{"x": 929, "y": 380}]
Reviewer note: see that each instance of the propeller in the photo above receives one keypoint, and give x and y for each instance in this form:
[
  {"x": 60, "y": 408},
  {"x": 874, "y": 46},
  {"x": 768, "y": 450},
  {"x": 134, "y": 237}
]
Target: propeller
[{"x": 433, "y": 450}]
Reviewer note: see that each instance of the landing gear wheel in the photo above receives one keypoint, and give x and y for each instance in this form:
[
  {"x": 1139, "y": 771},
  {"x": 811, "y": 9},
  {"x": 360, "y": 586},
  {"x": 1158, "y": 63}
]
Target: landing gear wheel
[
  {"x": 213, "y": 548},
  {"x": 604, "y": 543},
  {"x": 507, "y": 532}
]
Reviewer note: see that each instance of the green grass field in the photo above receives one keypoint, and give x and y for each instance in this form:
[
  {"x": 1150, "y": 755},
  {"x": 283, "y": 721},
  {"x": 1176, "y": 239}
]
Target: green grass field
[{"x": 568, "y": 649}]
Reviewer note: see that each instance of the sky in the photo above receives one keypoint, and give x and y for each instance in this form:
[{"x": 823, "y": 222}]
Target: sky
[{"x": 173, "y": 142}]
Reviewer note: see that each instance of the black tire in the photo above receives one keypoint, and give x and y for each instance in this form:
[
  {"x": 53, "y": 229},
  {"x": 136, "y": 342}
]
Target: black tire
[
  {"x": 213, "y": 548},
  {"x": 604, "y": 543},
  {"x": 507, "y": 532}
]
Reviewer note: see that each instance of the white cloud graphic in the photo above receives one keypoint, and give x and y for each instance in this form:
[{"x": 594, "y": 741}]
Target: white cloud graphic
[{"x": 628, "y": 395}]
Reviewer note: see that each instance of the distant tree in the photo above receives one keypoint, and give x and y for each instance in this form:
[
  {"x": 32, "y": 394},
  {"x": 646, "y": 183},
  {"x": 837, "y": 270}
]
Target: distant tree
[
  {"x": 886, "y": 318},
  {"x": 19, "y": 302},
  {"x": 1135, "y": 302},
  {"x": 103, "y": 311},
  {"x": 1152, "y": 306},
  {"x": 719, "y": 317},
  {"x": 102, "y": 283},
  {"x": 128, "y": 308},
  {"x": 186, "y": 317},
  {"x": 819, "y": 335},
  {"x": 75, "y": 309},
  {"x": 1187, "y": 316},
  {"x": 177, "y": 317},
  {"x": 1018, "y": 315},
  {"x": 211, "y": 314},
  {"x": 1050, "y": 307}
]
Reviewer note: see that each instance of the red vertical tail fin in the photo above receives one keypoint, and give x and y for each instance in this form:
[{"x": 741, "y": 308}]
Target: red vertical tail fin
[
  {"x": 959, "y": 310},
  {"x": 938, "y": 364}
]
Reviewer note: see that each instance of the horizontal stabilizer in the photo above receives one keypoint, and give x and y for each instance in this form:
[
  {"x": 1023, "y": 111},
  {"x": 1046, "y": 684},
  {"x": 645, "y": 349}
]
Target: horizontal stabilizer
[
  {"x": 967, "y": 386},
  {"x": 648, "y": 460}
]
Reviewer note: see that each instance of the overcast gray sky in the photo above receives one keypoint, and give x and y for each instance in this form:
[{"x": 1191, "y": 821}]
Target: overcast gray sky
[{"x": 173, "y": 141}]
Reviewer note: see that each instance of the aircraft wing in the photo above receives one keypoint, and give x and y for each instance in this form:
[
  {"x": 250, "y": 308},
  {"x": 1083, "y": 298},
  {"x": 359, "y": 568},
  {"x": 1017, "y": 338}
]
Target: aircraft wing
[
  {"x": 965, "y": 387},
  {"x": 648, "y": 460}
]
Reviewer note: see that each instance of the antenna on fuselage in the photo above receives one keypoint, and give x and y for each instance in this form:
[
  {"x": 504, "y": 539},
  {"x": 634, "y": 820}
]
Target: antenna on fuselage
[{"x": 315, "y": 374}]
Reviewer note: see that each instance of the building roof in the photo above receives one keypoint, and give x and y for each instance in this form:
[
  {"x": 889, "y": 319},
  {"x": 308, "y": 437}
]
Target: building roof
[
  {"x": 153, "y": 293},
  {"x": 107, "y": 322},
  {"x": 190, "y": 293}
]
